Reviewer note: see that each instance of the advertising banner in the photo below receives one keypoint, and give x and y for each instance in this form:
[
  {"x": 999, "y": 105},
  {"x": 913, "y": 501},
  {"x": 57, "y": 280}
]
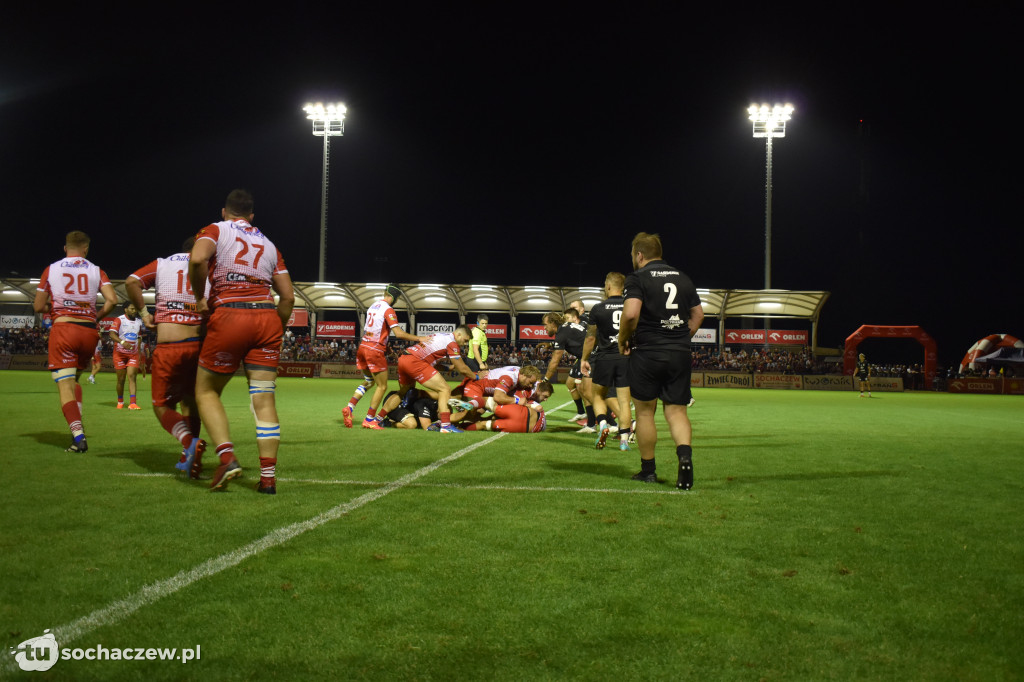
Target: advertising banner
[
  {"x": 791, "y": 337},
  {"x": 17, "y": 321},
  {"x": 827, "y": 382},
  {"x": 705, "y": 336},
  {"x": 495, "y": 331},
  {"x": 29, "y": 362},
  {"x": 778, "y": 381},
  {"x": 336, "y": 330},
  {"x": 971, "y": 385},
  {"x": 297, "y": 369},
  {"x": 782, "y": 337},
  {"x": 743, "y": 336},
  {"x": 106, "y": 323},
  {"x": 727, "y": 380},
  {"x": 1013, "y": 387},
  {"x": 428, "y": 328},
  {"x": 338, "y": 370},
  {"x": 5, "y": 361},
  {"x": 533, "y": 332},
  {"x": 696, "y": 379},
  {"x": 299, "y": 318},
  {"x": 886, "y": 384}
]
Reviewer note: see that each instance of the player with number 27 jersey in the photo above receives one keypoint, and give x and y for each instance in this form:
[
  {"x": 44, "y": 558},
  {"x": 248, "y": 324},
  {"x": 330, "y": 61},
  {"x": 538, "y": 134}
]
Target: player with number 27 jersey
[{"x": 245, "y": 263}]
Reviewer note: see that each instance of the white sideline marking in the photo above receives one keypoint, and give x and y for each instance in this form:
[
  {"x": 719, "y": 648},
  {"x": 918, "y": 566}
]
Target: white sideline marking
[{"x": 123, "y": 608}]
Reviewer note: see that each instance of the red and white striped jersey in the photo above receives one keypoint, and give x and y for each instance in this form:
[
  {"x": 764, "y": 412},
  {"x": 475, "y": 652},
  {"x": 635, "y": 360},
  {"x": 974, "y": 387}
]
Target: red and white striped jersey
[
  {"x": 380, "y": 318},
  {"x": 244, "y": 264},
  {"x": 436, "y": 347},
  {"x": 127, "y": 331},
  {"x": 72, "y": 284},
  {"x": 174, "y": 299},
  {"x": 504, "y": 378}
]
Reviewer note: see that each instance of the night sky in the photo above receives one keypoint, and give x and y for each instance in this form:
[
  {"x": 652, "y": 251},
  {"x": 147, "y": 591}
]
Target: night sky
[{"x": 528, "y": 147}]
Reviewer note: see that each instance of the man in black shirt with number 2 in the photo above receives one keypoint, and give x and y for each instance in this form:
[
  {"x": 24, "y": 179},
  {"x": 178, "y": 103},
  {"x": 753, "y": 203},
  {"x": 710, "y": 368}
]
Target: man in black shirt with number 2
[{"x": 661, "y": 312}]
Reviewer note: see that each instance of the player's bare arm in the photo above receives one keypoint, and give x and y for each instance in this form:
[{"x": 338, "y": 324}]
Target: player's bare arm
[
  {"x": 628, "y": 321},
  {"x": 109, "y": 300},
  {"x": 696, "y": 318},
  {"x": 134, "y": 288},
  {"x": 42, "y": 304},
  {"x": 199, "y": 270},
  {"x": 460, "y": 366},
  {"x": 552, "y": 370},
  {"x": 282, "y": 285},
  {"x": 588, "y": 348}
]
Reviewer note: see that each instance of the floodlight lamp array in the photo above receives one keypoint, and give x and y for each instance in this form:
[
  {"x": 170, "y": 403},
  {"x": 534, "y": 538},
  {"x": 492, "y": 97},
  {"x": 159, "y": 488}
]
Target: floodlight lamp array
[
  {"x": 328, "y": 119},
  {"x": 770, "y": 121}
]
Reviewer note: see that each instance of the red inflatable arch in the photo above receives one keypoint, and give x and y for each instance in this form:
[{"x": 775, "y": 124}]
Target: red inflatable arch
[
  {"x": 878, "y": 331},
  {"x": 983, "y": 347}
]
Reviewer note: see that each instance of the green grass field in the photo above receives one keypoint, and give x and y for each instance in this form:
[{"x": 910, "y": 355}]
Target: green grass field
[{"x": 827, "y": 537}]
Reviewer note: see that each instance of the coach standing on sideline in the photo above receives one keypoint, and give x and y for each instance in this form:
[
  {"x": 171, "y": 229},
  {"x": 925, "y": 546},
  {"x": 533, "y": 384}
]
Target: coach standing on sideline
[{"x": 657, "y": 340}]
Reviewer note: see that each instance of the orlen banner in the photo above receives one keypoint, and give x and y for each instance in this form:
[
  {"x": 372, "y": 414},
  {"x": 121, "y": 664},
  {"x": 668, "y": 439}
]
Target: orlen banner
[
  {"x": 336, "y": 330},
  {"x": 296, "y": 369},
  {"x": 794, "y": 337},
  {"x": 299, "y": 318},
  {"x": 533, "y": 332},
  {"x": 495, "y": 331}
]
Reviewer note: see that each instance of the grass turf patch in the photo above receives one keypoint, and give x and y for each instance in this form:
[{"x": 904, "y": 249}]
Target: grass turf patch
[{"x": 827, "y": 537}]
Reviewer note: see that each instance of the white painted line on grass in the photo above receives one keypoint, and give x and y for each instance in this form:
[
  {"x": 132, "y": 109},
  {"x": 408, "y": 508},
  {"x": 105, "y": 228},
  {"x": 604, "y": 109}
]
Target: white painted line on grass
[{"x": 123, "y": 608}]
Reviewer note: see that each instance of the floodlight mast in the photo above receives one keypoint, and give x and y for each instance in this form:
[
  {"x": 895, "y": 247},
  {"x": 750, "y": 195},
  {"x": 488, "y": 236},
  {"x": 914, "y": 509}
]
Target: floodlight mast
[
  {"x": 328, "y": 121},
  {"x": 769, "y": 122}
]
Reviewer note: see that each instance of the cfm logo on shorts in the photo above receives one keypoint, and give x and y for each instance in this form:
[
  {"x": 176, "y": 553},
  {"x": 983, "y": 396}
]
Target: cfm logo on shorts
[{"x": 37, "y": 654}]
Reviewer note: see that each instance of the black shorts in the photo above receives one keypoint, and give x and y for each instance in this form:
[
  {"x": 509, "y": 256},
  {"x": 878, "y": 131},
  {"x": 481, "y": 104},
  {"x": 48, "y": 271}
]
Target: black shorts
[
  {"x": 862, "y": 377},
  {"x": 610, "y": 370},
  {"x": 473, "y": 364},
  {"x": 575, "y": 372},
  {"x": 398, "y": 415},
  {"x": 660, "y": 373},
  {"x": 425, "y": 408}
]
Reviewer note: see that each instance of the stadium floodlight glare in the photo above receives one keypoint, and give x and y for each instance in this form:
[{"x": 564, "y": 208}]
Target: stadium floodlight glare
[
  {"x": 769, "y": 123},
  {"x": 328, "y": 121}
]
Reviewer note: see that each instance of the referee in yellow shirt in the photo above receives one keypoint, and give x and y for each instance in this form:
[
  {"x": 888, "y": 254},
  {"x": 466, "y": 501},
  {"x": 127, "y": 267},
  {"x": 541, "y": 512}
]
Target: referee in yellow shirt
[{"x": 477, "y": 360}]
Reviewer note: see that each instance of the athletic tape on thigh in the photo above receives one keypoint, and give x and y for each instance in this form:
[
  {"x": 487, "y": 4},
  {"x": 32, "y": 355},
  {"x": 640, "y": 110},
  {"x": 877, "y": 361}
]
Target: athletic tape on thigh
[
  {"x": 64, "y": 373},
  {"x": 267, "y": 430}
]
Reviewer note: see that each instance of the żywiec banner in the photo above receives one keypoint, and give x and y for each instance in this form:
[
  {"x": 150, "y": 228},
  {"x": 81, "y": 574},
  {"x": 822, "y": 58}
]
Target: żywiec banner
[
  {"x": 336, "y": 330},
  {"x": 787, "y": 337},
  {"x": 696, "y": 379},
  {"x": 533, "y": 332},
  {"x": 494, "y": 331},
  {"x": 727, "y": 380},
  {"x": 778, "y": 381}
]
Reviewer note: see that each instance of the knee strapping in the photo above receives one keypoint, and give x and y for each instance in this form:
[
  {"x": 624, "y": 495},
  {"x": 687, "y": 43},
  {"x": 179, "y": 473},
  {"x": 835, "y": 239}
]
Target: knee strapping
[
  {"x": 259, "y": 386},
  {"x": 267, "y": 431}
]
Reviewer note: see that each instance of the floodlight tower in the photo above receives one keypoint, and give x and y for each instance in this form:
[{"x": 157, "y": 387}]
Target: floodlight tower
[
  {"x": 328, "y": 121},
  {"x": 769, "y": 122}
]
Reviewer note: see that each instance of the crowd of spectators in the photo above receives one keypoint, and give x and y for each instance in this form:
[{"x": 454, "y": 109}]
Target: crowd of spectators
[{"x": 302, "y": 348}]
